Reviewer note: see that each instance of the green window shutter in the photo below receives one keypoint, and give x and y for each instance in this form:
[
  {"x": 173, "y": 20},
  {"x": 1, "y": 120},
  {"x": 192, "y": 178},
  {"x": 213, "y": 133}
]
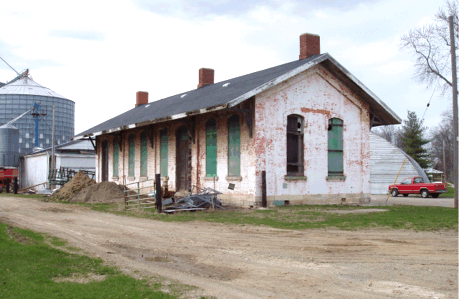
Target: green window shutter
[
  {"x": 164, "y": 152},
  {"x": 211, "y": 147},
  {"x": 234, "y": 146},
  {"x": 335, "y": 147},
  {"x": 131, "y": 155},
  {"x": 144, "y": 155},
  {"x": 115, "y": 158}
]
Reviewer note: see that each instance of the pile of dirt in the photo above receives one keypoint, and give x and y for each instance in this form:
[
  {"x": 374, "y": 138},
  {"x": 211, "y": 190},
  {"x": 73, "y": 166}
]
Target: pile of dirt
[
  {"x": 105, "y": 192},
  {"x": 73, "y": 187}
]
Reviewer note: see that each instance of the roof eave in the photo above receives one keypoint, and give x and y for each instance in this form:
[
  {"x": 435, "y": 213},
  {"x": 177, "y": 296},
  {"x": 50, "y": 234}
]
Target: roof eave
[
  {"x": 154, "y": 121},
  {"x": 391, "y": 117}
]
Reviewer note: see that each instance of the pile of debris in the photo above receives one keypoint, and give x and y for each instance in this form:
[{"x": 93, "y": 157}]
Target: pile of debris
[
  {"x": 64, "y": 175},
  {"x": 105, "y": 192},
  {"x": 73, "y": 187},
  {"x": 81, "y": 188},
  {"x": 206, "y": 198}
]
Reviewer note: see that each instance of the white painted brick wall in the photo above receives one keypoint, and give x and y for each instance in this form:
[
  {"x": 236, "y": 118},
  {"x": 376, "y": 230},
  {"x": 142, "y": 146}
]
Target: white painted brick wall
[{"x": 316, "y": 95}]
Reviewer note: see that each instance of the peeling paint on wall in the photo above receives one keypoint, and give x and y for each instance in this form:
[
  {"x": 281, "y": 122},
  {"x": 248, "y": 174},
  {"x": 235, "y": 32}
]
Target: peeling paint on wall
[{"x": 317, "y": 96}]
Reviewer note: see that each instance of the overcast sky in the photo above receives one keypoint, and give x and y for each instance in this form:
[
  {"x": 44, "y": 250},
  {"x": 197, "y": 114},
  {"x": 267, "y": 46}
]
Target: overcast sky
[{"x": 100, "y": 53}]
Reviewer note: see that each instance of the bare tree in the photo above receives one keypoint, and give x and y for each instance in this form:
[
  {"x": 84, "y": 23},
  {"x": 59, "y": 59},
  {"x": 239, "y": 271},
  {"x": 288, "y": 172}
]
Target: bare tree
[
  {"x": 431, "y": 47},
  {"x": 442, "y": 144},
  {"x": 389, "y": 133}
]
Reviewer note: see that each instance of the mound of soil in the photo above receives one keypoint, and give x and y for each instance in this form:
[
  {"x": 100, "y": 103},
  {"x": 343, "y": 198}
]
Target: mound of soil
[
  {"x": 105, "y": 192},
  {"x": 74, "y": 186}
]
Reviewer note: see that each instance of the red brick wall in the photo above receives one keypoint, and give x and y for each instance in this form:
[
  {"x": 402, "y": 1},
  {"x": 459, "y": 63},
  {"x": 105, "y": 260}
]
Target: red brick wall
[
  {"x": 206, "y": 77},
  {"x": 310, "y": 44}
]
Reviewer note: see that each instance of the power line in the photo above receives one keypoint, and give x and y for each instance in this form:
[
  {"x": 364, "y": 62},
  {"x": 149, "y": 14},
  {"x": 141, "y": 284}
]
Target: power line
[
  {"x": 9, "y": 66},
  {"x": 428, "y": 105}
]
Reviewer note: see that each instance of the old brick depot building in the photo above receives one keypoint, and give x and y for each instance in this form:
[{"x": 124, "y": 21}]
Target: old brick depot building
[{"x": 306, "y": 123}]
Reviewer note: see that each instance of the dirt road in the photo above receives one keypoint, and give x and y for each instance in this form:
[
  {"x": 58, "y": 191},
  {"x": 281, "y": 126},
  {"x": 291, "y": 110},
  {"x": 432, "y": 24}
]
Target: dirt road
[
  {"x": 412, "y": 200},
  {"x": 230, "y": 261}
]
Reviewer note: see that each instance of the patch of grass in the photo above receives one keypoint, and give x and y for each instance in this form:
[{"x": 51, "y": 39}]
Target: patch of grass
[
  {"x": 29, "y": 268},
  {"x": 40, "y": 196},
  {"x": 58, "y": 242},
  {"x": 418, "y": 218},
  {"x": 73, "y": 249},
  {"x": 449, "y": 194}
]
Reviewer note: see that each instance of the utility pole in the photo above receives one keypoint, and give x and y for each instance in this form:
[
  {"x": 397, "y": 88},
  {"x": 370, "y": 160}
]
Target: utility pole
[
  {"x": 444, "y": 162},
  {"x": 455, "y": 111},
  {"x": 53, "y": 141}
]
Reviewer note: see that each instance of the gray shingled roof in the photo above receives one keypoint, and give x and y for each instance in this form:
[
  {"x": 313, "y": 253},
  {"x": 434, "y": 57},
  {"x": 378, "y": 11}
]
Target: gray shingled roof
[{"x": 229, "y": 93}]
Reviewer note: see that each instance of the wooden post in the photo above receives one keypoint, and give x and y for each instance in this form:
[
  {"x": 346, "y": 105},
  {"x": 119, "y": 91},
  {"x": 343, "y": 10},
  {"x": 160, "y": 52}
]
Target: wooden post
[
  {"x": 444, "y": 164},
  {"x": 389, "y": 193},
  {"x": 139, "y": 203},
  {"x": 15, "y": 185},
  {"x": 263, "y": 189},
  {"x": 158, "y": 194},
  {"x": 125, "y": 195}
]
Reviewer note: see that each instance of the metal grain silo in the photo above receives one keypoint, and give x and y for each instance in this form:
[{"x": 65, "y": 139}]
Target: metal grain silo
[
  {"x": 20, "y": 95},
  {"x": 9, "y": 146}
]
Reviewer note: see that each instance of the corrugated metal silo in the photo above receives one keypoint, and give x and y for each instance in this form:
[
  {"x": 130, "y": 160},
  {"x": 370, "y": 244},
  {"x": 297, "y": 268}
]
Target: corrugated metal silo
[
  {"x": 20, "y": 95},
  {"x": 9, "y": 146}
]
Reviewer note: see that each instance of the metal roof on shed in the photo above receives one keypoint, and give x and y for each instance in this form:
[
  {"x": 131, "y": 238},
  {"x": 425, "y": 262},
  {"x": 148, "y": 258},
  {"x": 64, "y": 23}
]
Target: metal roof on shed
[
  {"x": 27, "y": 86},
  {"x": 231, "y": 92}
]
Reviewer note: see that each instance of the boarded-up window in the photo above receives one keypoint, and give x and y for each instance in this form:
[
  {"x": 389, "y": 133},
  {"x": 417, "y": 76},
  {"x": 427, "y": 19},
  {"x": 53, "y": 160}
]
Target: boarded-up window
[
  {"x": 234, "y": 146},
  {"x": 211, "y": 147},
  {"x": 164, "y": 152},
  {"x": 131, "y": 155},
  {"x": 295, "y": 133},
  {"x": 115, "y": 158},
  {"x": 144, "y": 155},
  {"x": 335, "y": 147}
]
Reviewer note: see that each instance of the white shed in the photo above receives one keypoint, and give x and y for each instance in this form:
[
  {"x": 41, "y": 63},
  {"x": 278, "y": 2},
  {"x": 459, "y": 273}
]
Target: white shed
[{"x": 76, "y": 155}]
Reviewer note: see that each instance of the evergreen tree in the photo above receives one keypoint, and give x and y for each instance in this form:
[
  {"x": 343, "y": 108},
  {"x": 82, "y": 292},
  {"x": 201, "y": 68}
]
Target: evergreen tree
[{"x": 413, "y": 141}]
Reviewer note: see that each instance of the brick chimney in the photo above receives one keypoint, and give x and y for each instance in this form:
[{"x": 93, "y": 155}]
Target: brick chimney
[
  {"x": 206, "y": 77},
  {"x": 309, "y": 45},
  {"x": 141, "y": 98}
]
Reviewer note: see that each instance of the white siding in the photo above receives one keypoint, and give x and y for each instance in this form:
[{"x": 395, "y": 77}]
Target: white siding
[
  {"x": 76, "y": 161},
  {"x": 35, "y": 171}
]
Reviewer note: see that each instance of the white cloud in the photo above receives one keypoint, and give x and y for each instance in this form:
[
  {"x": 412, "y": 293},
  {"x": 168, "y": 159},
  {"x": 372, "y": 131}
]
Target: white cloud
[
  {"x": 394, "y": 67},
  {"x": 100, "y": 53}
]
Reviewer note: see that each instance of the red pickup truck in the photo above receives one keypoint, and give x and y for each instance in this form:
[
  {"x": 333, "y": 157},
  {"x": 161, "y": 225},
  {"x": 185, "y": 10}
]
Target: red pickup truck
[{"x": 417, "y": 185}]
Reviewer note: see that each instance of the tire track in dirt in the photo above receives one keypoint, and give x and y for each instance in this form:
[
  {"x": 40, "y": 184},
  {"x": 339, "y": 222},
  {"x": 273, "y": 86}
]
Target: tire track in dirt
[{"x": 230, "y": 261}]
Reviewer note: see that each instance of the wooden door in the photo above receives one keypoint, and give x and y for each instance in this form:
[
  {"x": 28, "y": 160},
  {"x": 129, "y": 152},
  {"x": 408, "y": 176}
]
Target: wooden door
[
  {"x": 104, "y": 161},
  {"x": 183, "y": 160}
]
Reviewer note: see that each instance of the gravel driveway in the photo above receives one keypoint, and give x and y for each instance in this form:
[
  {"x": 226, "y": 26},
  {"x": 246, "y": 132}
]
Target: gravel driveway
[{"x": 234, "y": 261}]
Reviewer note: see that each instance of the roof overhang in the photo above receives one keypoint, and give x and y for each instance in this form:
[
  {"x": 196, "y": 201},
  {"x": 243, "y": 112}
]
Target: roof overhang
[
  {"x": 383, "y": 113},
  {"x": 380, "y": 112}
]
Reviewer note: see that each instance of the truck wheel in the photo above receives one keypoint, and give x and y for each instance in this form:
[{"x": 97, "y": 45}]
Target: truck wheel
[
  {"x": 435, "y": 195},
  {"x": 424, "y": 193},
  {"x": 394, "y": 193},
  {"x": 405, "y": 195}
]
